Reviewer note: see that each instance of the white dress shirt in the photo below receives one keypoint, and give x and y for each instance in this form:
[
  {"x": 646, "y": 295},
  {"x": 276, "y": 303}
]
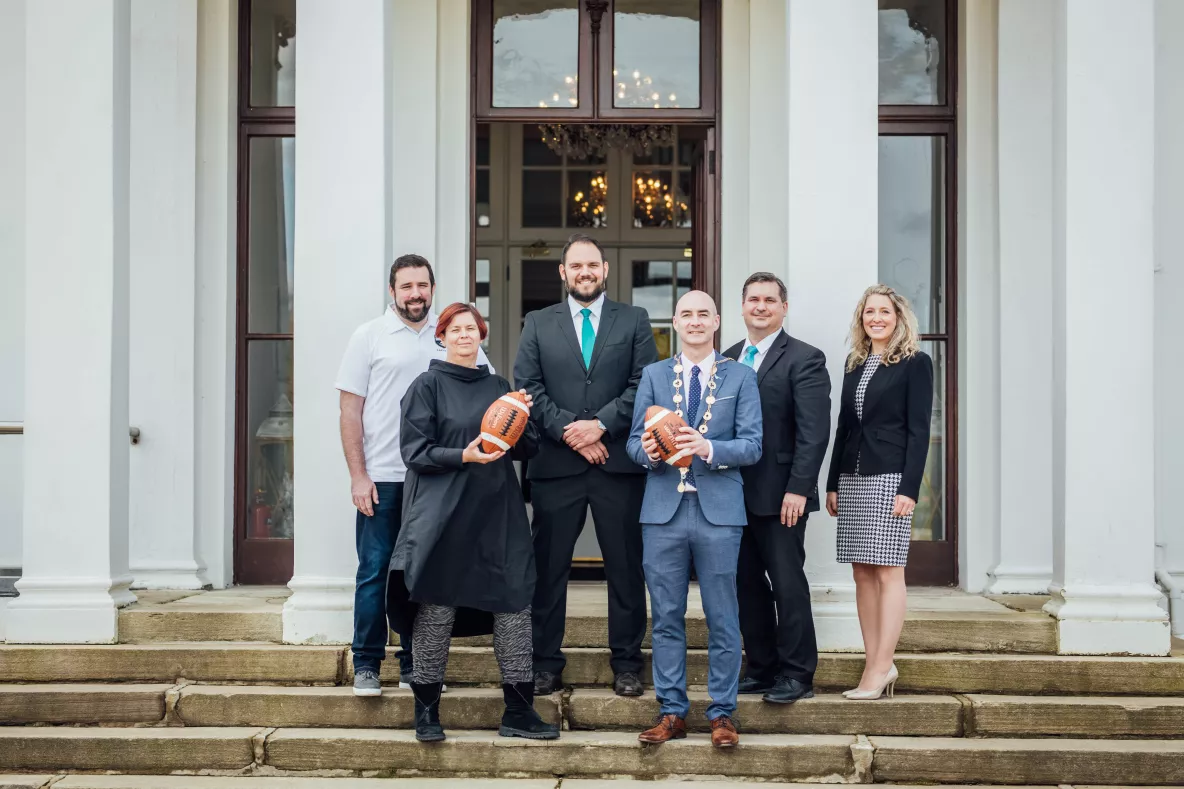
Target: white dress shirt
[
  {"x": 704, "y": 377},
  {"x": 597, "y": 307},
  {"x": 762, "y": 350},
  {"x": 382, "y": 359}
]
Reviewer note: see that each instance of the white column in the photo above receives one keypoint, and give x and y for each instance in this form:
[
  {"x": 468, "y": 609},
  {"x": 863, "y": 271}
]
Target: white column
[
  {"x": 1169, "y": 288},
  {"x": 76, "y": 384},
  {"x": 832, "y": 230},
  {"x": 216, "y": 182},
  {"x": 1025, "y": 295},
  {"x": 1104, "y": 597},
  {"x": 342, "y": 209},
  {"x": 163, "y": 284}
]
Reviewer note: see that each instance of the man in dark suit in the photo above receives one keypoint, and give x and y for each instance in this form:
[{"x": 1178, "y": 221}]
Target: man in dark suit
[
  {"x": 581, "y": 360},
  {"x": 780, "y": 492}
]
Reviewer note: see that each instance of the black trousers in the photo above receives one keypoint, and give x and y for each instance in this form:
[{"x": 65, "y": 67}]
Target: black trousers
[
  {"x": 775, "y": 616},
  {"x": 560, "y": 508}
]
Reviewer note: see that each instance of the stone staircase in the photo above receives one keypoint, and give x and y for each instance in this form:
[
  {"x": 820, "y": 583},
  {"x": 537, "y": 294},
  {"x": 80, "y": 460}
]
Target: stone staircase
[{"x": 249, "y": 709}]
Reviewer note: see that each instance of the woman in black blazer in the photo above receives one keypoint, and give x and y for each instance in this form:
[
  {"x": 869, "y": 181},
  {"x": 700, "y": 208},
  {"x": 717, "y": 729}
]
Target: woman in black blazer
[{"x": 875, "y": 471}]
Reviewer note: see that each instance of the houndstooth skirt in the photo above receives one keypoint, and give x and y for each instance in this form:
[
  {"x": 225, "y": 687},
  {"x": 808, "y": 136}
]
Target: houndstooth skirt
[{"x": 868, "y": 531}]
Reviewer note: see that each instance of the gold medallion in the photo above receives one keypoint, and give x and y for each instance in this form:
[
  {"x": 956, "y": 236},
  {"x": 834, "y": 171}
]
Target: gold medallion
[
  {"x": 703, "y": 429},
  {"x": 710, "y": 399},
  {"x": 707, "y": 417},
  {"x": 682, "y": 488},
  {"x": 677, "y": 398}
]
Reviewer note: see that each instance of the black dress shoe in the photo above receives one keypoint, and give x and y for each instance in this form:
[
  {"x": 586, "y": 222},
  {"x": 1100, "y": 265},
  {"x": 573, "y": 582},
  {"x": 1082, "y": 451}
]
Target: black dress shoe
[
  {"x": 546, "y": 683},
  {"x": 787, "y": 691},
  {"x": 627, "y": 683},
  {"x": 750, "y": 685}
]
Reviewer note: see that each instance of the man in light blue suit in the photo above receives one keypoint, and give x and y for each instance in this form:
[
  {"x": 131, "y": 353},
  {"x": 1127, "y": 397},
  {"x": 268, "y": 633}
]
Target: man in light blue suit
[{"x": 698, "y": 518}]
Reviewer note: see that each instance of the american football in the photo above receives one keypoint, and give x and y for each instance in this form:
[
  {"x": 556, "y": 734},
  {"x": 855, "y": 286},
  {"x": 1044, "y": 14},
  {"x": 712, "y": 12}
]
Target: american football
[
  {"x": 663, "y": 424},
  {"x": 504, "y": 422}
]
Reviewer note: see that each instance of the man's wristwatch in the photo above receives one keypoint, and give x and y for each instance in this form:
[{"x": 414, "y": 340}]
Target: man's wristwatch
[{"x": 601, "y": 425}]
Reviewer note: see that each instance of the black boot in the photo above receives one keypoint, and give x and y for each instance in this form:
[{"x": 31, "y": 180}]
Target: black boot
[
  {"x": 520, "y": 719},
  {"x": 427, "y": 711}
]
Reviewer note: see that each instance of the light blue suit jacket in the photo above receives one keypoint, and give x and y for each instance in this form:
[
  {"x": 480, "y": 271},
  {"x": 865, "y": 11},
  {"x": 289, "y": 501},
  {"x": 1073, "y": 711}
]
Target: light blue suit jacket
[{"x": 734, "y": 431}]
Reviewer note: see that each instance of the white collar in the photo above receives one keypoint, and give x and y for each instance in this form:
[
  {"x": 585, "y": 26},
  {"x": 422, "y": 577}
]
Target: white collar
[
  {"x": 764, "y": 345},
  {"x": 704, "y": 368},
  {"x": 595, "y": 306}
]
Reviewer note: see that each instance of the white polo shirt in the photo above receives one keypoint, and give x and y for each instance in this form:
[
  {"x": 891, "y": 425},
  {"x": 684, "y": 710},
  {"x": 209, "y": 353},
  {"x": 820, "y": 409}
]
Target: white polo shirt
[{"x": 382, "y": 359}]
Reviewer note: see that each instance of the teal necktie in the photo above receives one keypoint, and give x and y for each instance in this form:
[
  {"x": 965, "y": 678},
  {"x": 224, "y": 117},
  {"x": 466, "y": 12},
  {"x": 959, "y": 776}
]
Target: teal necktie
[
  {"x": 587, "y": 337},
  {"x": 749, "y": 356}
]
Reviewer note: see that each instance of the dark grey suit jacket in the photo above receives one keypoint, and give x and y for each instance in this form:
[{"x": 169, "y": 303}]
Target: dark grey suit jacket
[
  {"x": 795, "y": 406},
  {"x": 551, "y": 368}
]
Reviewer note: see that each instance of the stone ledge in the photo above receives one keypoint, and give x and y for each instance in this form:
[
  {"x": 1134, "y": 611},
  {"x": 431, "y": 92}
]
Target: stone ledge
[
  {"x": 1091, "y": 716},
  {"x": 804, "y": 757},
  {"x": 1061, "y": 761},
  {"x": 132, "y": 750},
  {"x": 58, "y": 703}
]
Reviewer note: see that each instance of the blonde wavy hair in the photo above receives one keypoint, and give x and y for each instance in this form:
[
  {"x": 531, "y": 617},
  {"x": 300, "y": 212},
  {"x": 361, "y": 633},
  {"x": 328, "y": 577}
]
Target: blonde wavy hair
[{"x": 905, "y": 341}]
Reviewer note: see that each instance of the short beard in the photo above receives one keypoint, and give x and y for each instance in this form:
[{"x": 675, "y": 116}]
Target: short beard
[
  {"x": 407, "y": 315},
  {"x": 596, "y": 291}
]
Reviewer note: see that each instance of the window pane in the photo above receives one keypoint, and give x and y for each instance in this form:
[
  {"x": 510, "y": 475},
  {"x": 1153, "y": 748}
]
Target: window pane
[
  {"x": 654, "y": 201},
  {"x": 656, "y": 55},
  {"x": 482, "y": 145},
  {"x": 269, "y": 439},
  {"x": 273, "y": 53},
  {"x": 912, "y": 44},
  {"x": 542, "y": 198},
  {"x": 929, "y": 516},
  {"x": 271, "y": 215},
  {"x": 535, "y": 53},
  {"x": 587, "y": 191},
  {"x": 653, "y": 288},
  {"x": 482, "y": 286},
  {"x": 541, "y": 285},
  {"x": 535, "y": 152},
  {"x": 912, "y": 247},
  {"x": 483, "y": 203},
  {"x": 682, "y": 201},
  {"x": 660, "y": 155}
]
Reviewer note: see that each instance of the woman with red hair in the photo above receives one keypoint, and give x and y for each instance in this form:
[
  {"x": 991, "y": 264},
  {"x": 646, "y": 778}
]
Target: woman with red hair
[{"x": 464, "y": 560}]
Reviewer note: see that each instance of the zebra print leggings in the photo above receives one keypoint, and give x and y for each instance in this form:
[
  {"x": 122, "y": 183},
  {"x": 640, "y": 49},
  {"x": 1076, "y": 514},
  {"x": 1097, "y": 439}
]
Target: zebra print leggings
[{"x": 433, "y": 633}]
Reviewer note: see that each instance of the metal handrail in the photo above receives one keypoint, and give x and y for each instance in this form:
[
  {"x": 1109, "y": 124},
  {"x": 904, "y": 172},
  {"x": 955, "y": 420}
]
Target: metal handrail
[{"x": 11, "y": 428}]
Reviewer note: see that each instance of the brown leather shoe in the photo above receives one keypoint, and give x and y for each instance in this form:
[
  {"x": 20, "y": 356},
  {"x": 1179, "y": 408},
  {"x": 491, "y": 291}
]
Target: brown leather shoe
[
  {"x": 667, "y": 727},
  {"x": 723, "y": 733}
]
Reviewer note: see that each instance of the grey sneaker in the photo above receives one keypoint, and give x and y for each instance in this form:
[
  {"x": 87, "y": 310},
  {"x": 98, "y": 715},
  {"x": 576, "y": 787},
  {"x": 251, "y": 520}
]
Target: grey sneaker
[{"x": 366, "y": 683}]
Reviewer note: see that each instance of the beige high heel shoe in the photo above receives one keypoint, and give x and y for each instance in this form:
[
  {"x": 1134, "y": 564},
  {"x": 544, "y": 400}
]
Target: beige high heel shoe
[{"x": 889, "y": 687}]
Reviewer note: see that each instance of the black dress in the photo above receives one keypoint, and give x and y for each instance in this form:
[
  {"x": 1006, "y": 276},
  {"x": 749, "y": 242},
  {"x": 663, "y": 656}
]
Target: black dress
[{"x": 465, "y": 541}]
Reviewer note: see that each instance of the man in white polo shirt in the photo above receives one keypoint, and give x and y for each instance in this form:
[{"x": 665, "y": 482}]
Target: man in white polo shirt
[{"x": 383, "y": 357}]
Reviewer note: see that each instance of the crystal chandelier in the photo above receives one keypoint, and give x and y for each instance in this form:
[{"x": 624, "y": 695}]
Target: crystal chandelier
[{"x": 581, "y": 141}]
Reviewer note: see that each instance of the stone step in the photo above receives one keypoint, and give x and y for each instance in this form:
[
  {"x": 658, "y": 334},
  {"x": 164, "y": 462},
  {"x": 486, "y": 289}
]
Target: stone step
[
  {"x": 213, "y": 662},
  {"x": 589, "y": 709},
  {"x": 389, "y": 753},
  {"x": 930, "y": 673},
  {"x": 924, "y": 631},
  {"x": 265, "y": 782}
]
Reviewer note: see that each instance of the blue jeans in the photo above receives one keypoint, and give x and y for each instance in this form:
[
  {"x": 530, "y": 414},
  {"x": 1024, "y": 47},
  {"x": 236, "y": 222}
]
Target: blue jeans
[
  {"x": 669, "y": 549},
  {"x": 376, "y": 542}
]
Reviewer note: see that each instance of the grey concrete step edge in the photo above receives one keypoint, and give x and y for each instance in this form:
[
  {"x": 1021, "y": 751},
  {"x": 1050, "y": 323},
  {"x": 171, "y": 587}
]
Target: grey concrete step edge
[
  {"x": 973, "y": 715},
  {"x": 385, "y": 753}
]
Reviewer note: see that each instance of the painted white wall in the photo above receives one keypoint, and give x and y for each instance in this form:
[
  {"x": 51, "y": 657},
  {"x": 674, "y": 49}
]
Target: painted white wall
[
  {"x": 451, "y": 154},
  {"x": 216, "y": 152},
  {"x": 1169, "y": 279},
  {"x": 734, "y": 147},
  {"x": 76, "y": 257},
  {"x": 163, "y": 282},
  {"x": 12, "y": 274},
  {"x": 978, "y": 296},
  {"x": 1024, "y": 532}
]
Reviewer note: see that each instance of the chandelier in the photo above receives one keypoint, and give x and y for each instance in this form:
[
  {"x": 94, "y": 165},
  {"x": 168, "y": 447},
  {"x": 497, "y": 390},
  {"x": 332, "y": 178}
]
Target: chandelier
[{"x": 582, "y": 141}]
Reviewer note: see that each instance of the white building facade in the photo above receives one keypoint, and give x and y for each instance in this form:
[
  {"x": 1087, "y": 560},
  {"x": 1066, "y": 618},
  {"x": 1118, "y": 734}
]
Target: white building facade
[{"x": 173, "y": 196}]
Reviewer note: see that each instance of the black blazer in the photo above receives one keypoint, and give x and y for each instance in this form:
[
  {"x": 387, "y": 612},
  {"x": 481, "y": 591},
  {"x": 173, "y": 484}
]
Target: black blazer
[
  {"x": 551, "y": 368},
  {"x": 893, "y": 436},
  {"x": 795, "y": 406}
]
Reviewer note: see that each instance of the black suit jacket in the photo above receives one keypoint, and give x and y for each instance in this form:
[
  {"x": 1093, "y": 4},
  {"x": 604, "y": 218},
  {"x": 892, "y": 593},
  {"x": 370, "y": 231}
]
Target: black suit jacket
[
  {"x": 795, "y": 407},
  {"x": 893, "y": 436},
  {"x": 551, "y": 368}
]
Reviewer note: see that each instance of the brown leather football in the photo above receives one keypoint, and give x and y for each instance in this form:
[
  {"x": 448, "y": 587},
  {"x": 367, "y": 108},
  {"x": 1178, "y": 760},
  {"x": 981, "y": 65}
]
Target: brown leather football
[
  {"x": 504, "y": 422},
  {"x": 663, "y": 425}
]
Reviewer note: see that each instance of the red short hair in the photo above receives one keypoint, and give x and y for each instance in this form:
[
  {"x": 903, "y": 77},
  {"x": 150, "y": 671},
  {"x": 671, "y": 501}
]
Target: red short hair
[{"x": 449, "y": 315}]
